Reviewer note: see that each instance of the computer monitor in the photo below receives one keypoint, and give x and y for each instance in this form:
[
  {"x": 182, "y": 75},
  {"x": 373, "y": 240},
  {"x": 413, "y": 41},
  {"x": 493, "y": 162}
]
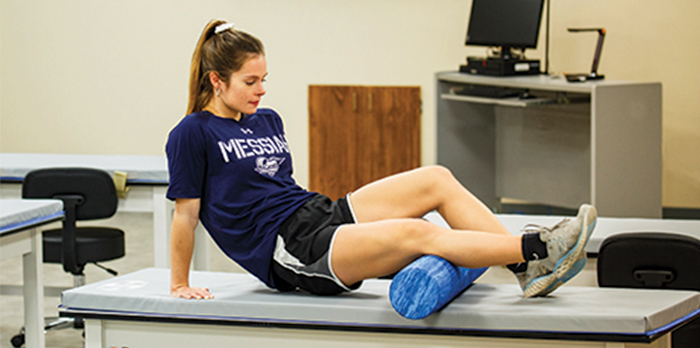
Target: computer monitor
[{"x": 507, "y": 24}]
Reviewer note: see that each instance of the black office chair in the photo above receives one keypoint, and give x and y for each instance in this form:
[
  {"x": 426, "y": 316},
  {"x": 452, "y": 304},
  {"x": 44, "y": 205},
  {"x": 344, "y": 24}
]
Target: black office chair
[
  {"x": 653, "y": 260},
  {"x": 87, "y": 194}
]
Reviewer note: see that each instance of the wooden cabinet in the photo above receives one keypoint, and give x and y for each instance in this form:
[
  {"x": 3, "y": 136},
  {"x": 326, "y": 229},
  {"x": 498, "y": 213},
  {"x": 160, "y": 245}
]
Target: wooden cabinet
[{"x": 358, "y": 134}]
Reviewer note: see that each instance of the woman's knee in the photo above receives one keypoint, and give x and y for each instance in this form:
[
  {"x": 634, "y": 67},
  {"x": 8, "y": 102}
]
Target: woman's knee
[
  {"x": 439, "y": 175},
  {"x": 416, "y": 234},
  {"x": 438, "y": 180},
  {"x": 437, "y": 171}
]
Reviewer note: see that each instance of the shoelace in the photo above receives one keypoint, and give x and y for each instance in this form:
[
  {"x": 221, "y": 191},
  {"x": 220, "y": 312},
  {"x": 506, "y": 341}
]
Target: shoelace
[
  {"x": 542, "y": 268},
  {"x": 537, "y": 228}
]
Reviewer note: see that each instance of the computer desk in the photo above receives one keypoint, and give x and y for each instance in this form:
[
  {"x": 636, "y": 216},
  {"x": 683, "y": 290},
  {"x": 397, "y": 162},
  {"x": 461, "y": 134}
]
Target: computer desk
[
  {"x": 596, "y": 142},
  {"x": 19, "y": 236},
  {"x": 147, "y": 180}
]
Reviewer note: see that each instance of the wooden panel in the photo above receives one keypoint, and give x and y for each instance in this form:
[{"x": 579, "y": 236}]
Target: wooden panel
[
  {"x": 388, "y": 135},
  {"x": 361, "y": 134},
  {"x": 332, "y": 129}
]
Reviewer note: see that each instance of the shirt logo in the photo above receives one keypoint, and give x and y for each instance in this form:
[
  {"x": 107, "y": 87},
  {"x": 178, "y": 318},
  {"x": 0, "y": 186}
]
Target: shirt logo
[
  {"x": 268, "y": 166},
  {"x": 253, "y": 147},
  {"x": 246, "y": 130}
]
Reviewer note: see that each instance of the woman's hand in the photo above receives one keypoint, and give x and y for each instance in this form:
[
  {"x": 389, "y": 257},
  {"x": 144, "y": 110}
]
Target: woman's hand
[{"x": 191, "y": 293}]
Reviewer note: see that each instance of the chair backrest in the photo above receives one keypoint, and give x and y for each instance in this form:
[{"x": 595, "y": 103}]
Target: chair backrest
[
  {"x": 87, "y": 194},
  {"x": 94, "y": 187},
  {"x": 654, "y": 260},
  {"x": 650, "y": 260}
]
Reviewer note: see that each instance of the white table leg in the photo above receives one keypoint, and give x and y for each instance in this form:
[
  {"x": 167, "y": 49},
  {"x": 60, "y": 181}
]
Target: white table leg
[
  {"x": 34, "y": 292},
  {"x": 162, "y": 220},
  {"x": 93, "y": 333}
]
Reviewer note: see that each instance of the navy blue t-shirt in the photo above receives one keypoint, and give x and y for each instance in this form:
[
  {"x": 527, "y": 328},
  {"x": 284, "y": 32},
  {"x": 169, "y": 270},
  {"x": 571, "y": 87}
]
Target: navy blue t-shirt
[{"x": 242, "y": 172}]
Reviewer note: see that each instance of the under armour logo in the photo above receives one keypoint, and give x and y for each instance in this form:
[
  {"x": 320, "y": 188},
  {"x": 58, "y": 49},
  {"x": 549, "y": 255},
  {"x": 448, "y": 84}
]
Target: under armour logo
[{"x": 246, "y": 131}]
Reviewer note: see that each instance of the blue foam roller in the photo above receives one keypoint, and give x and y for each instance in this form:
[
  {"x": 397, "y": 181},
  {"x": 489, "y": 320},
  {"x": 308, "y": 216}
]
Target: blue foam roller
[{"x": 428, "y": 284}]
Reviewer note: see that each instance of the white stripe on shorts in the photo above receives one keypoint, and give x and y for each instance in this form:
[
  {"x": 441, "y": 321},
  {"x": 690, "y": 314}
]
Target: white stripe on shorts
[
  {"x": 290, "y": 262},
  {"x": 352, "y": 211}
]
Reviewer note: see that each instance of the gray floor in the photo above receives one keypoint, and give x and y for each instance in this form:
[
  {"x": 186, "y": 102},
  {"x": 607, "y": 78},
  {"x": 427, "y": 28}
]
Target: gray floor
[{"x": 139, "y": 254}]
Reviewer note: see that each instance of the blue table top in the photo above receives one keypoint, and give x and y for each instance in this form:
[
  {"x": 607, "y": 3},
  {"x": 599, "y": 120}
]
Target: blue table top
[
  {"x": 495, "y": 310},
  {"x": 19, "y": 214},
  {"x": 139, "y": 169}
]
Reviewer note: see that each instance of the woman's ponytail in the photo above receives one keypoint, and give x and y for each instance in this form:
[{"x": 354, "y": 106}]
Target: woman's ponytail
[{"x": 222, "y": 50}]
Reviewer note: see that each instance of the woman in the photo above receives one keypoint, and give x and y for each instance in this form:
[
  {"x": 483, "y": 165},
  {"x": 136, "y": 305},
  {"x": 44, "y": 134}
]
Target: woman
[{"x": 230, "y": 167}]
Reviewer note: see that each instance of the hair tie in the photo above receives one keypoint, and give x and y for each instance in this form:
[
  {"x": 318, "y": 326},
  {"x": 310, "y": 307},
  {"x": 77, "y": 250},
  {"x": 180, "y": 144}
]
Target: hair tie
[{"x": 223, "y": 27}]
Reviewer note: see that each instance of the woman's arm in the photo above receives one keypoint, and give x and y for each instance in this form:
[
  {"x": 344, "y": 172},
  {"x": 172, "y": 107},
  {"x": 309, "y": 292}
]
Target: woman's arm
[{"x": 181, "y": 246}]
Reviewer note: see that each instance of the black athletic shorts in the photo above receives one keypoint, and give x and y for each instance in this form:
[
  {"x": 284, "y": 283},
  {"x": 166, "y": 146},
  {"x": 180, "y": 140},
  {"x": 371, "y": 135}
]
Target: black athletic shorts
[{"x": 302, "y": 258}]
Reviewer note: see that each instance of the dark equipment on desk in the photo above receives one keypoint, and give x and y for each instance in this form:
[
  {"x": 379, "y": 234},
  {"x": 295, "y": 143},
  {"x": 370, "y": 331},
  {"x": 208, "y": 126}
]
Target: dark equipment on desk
[
  {"x": 657, "y": 261},
  {"x": 508, "y": 25},
  {"x": 500, "y": 67},
  {"x": 596, "y": 58},
  {"x": 489, "y": 91}
]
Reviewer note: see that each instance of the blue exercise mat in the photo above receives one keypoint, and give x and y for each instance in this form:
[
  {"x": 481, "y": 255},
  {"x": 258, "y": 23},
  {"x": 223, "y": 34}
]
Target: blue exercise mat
[{"x": 428, "y": 284}]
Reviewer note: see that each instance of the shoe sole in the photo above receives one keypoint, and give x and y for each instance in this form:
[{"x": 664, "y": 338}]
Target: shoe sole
[
  {"x": 569, "y": 265},
  {"x": 575, "y": 268}
]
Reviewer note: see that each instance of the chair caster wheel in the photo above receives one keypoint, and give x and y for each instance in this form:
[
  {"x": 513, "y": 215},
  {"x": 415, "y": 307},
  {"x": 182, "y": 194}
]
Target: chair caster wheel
[{"x": 18, "y": 340}]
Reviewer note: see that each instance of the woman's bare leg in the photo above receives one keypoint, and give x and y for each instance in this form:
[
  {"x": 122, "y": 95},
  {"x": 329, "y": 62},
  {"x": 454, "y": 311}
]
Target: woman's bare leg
[
  {"x": 374, "y": 249},
  {"x": 415, "y": 193},
  {"x": 390, "y": 233}
]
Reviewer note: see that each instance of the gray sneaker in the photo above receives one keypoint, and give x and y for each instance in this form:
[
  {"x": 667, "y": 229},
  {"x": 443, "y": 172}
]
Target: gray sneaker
[
  {"x": 535, "y": 269},
  {"x": 566, "y": 242}
]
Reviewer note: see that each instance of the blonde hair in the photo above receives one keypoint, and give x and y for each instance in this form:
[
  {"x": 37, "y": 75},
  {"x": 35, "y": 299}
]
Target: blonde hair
[{"x": 223, "y": 51}]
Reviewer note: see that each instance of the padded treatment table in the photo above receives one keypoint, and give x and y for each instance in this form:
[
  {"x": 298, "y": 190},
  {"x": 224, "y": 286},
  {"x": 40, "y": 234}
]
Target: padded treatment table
[
  {"x": 136, "y": 310},
  {"x": 19, "y": 236}
]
